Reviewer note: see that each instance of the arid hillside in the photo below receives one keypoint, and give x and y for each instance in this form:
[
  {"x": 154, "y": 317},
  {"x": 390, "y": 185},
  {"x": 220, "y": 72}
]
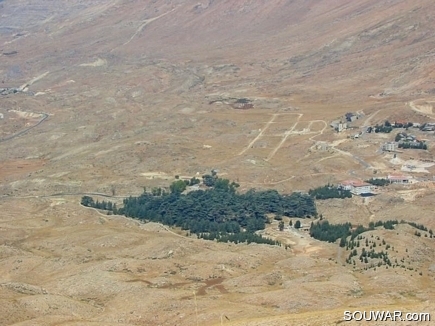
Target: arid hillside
[
  {"x": 384, "y": 46},
  {"x": 106, "y": 97}
]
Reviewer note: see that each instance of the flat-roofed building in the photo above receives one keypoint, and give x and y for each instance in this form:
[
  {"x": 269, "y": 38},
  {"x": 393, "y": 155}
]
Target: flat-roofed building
[
  {"x": 390, "y": 146},
  {"x": 357, "y": 187}
]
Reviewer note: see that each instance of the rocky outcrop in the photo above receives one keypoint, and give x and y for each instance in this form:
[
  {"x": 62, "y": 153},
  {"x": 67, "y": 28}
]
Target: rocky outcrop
[{"x": 23, "y": 288}]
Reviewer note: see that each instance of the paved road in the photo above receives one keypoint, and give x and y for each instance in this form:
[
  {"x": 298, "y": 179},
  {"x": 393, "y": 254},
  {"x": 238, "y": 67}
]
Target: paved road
[
  {"x": 44, "y": 117},
  {"x": 60, "y": 194},
  {"x": 360, "y": 161}
]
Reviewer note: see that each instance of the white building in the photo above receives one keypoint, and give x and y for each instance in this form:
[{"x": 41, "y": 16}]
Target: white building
[
  {"x": 342, "y": 126},
  {"x": 357, "y": 187},
  {"x": 390, "y": 147},
  {"x": 339, "y": 126}
]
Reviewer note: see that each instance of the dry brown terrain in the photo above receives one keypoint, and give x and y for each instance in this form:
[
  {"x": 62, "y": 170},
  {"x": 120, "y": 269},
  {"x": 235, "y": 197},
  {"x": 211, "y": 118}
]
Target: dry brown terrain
[{"x": 112, "y": 96}]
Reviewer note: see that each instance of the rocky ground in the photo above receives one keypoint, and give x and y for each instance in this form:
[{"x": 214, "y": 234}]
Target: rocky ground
[{"x": 76, "y": 266}]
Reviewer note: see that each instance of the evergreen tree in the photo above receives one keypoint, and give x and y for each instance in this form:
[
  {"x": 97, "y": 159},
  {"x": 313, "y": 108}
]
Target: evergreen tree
[
  {"x": 177, "y": 187},
  {"x": 342, "y": 242},
  {"x": 87, "y": 201},
  {"x": 297, "y": 224}
]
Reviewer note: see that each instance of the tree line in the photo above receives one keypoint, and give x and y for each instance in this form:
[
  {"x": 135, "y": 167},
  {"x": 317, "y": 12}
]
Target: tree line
[
  {"x": 324, "y": 231},
  {"x": 328, "y": 192},
  {"x": 384, "y": 128},
  {"x": 378, "y": 182},
  {"x": 413, "y": 145}
]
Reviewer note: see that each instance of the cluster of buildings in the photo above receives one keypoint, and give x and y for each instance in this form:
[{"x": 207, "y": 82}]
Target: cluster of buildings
[
  {"x": 361, "y": 188},
  {"x": 427, "y": 126},
  {"x": 404, "y": 140},
  {"x": 346, "y": 121}
]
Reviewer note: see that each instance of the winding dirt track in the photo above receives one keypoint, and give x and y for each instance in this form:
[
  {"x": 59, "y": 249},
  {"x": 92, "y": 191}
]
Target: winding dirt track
[
  {"x": 22, "y": 132},
  {"x": 145, "y": 23},
  {"x": 44, "y": 115},
  {"x": 164, "y": 227}
]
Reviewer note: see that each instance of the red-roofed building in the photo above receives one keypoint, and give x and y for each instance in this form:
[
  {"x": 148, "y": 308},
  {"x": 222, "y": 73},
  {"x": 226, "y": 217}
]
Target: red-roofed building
[
  {"x": 357, "y": 187},
  {"x": 398, "y": 178}
]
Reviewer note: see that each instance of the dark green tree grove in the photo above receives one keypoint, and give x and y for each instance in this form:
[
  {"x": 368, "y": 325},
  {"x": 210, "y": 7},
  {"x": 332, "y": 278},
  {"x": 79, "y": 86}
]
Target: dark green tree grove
[{"x": 219, "y": 209}]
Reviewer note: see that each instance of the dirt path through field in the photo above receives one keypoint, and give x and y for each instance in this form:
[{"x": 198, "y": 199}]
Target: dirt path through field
[
  {"x": 34, "y": 80},
  {"x": 272, "y": 119},
  {"x": 369, "y": 119},
  {"x": 284, "y": 138},
  {"x": 145, "y": 23}
]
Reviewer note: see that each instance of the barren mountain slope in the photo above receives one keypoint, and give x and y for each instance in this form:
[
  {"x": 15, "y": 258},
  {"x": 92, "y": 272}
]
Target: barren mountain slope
[{"x": 340, "y": 43}]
